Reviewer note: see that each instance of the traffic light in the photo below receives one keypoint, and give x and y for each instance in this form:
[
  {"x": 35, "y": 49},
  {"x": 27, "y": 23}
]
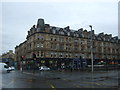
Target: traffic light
[{"x": 22, "y": 58}]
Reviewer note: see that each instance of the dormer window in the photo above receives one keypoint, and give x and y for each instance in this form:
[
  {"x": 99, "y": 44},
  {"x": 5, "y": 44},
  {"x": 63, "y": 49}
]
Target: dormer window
[
  {"x": 104, "y": 39},
  {"x": 76, "y": 35},
  {"x": 61, "y": 32},
  {"x": 54, "y": 31},
  {"x": 82, "y": 35},
  {"x": 38, "y": 29},
  {"x": 99, "y": 38},
  {"x": 68, "y": 33}
]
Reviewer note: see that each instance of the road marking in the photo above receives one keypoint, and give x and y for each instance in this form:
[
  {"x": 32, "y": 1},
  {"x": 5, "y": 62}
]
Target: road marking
[
  {"x": 11, "y": 82},
  {"x": 1, "y": 84},
  {"x": 103, "y": 83},
  {"x": 92, "y": 83},
  {"x": 78, "y": 86},
  {"x": 98, "y": 83},
  {"x": 65, "y": 79},
  {"x": 51, "y": 85}
]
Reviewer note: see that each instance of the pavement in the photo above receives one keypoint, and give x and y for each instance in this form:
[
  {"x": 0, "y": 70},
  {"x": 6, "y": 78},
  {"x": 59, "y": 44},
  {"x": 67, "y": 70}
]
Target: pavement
[{"x": 61, "y": 79}]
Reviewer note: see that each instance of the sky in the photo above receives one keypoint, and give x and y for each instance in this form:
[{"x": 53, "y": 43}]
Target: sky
[{"x": 19, "y": 16}]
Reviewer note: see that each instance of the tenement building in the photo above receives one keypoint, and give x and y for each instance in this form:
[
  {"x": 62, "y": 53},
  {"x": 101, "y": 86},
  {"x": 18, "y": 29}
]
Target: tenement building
[
  {"x": 54, "y": 42},
  {"x": 8, "y": 57}
]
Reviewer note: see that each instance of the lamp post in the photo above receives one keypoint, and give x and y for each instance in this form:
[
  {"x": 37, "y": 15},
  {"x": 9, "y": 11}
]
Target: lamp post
[{"x": 91, "y": 48}]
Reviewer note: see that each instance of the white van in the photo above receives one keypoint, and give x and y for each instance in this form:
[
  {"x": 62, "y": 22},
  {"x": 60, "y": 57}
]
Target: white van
[{"x": 4, "y": 68}]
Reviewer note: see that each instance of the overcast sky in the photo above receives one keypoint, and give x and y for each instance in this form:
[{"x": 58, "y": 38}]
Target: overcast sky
[{"x": 19, "y": 17}]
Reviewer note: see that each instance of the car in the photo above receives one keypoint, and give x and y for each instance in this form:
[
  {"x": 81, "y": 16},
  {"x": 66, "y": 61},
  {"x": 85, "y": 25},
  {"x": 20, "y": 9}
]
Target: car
[
  {"x": 44, "y": 68},
  {"x": 5, "y": 67},
  {"x": 12, "y": 68}
]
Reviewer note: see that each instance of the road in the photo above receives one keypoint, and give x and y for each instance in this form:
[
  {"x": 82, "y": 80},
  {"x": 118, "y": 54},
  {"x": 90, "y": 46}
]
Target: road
[{"x": 61, "y": 79}]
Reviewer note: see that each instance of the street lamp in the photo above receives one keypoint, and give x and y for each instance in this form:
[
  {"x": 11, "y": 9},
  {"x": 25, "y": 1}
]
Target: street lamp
[{"x": 91, "y": 48}]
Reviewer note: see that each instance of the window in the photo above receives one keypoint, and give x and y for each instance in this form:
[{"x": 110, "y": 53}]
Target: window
[
  {"x": 88, "y": 42},
  {"x": 51, "y": 54},
  {"x": 42, "y": 37},
  {"x": 50, "y": 62},
  {"x": 38, "y": 45},
  {"x": 70, "y": 55},
  {"x": 68, "y": 33},
  {"x": 76, "y": 41},
  {"x": 51, "y": 38},
  {"x": 69, "y": 39},
  {"x": 61, "y": 55},
  {"x": 47, "y": 53},
  {"x": 66, "y": 48},
  {"x": 61, "y": 47},
  {"x": 76, "y": 55},
  {"x": 55, "y": 38},
  {"x": 62, "y": 33},
  {"x": 53, "y": 46},
  {"x": 37, "y": 53},
  {"x": 77, "y": 35},
  {"x": 42, "y": 61},
  {"x": 61, "y": 39},
  {"x": 41, "y": 45},
  {"x": 42, "y": 53},
  {"x": 82, "y": 41},
  {"x": 54, "y": 31},
  {"x": 38, "y": 37},
  {"x": 66, "y": 54},
  {"x": 55, "y": 55}
]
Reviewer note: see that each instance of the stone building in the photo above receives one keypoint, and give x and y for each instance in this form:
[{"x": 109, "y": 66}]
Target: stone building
[
  {"x": 54, "y": 42},
  {"x": 8, "y": 57}
]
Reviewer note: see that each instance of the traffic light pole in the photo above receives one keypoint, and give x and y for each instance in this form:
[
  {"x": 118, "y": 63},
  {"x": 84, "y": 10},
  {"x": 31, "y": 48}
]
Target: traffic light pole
[
  {"x": 21, "y": 68},
  {"x": 34, "y": 62}
]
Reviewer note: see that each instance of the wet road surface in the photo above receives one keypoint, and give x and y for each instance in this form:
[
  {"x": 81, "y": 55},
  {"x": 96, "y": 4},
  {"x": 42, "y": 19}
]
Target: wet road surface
[{"x": 61, "y": 79}]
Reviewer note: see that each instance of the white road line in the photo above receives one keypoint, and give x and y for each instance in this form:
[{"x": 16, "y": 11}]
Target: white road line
[{"x": 11, "y": 83}]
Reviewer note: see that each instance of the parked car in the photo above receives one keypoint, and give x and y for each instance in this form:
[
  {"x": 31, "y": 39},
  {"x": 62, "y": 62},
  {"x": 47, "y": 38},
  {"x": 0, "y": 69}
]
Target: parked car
[
  {"x": 44, "y": 68},
  {"x": 12, "y": 68},
  {"x": 5, "y": 68}
]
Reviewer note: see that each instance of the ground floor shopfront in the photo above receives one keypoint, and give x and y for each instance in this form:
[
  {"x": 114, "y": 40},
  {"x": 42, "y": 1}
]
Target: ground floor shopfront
[
  {"x": 61, "y": 63},
  {"x": 53, "y": 63}
]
